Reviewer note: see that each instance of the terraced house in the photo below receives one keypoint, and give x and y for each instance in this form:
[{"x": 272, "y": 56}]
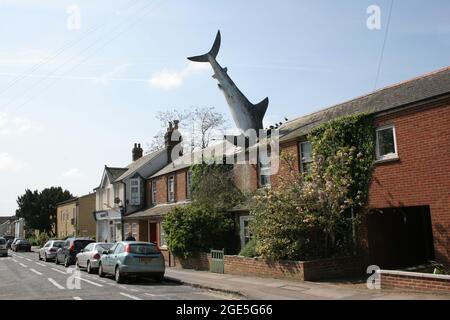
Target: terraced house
[{"x": 407, "y": 221}]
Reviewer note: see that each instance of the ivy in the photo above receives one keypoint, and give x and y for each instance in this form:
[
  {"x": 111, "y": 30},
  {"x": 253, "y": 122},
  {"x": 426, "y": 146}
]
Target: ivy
[{"x": 355, "y": 134}]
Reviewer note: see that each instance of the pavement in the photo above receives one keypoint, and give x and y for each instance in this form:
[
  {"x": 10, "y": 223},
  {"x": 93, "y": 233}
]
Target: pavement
[
  {"x": 24, "y": 277},
  {"x": 255, "y": 288}
]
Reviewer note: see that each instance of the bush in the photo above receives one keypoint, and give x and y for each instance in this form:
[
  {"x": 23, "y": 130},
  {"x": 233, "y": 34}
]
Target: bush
[
  {"x": 249, "y": 250},
  {"x": 192, "y": 229}
]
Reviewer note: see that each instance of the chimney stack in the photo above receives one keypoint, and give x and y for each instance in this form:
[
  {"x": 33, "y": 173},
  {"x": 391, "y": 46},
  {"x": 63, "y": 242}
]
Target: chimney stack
[
  {"x": 169, "y": 141},
  {"x": 137, "y": 152}
]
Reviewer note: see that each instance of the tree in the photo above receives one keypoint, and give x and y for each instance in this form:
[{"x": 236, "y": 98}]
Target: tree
[
  {"x": 303, "y": 216},
  {"x": 39, "y": 208},
  {"x": 193, "y": 228},
  {"x": 213, "y": 186},
  {"x": 199, "y": 127}
]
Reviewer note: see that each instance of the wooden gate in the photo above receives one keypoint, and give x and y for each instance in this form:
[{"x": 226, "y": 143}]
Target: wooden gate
[{"x": 217, "y": 263}]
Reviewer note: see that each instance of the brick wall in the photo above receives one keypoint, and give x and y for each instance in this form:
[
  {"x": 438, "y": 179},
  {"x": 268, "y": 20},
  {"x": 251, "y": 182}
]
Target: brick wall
[
  {"x": 421, "y": 175},
  {"x": 296, "y": 270},
  {"x": 161, "y": 187},
  {"x": 291, "y": 148},
  {"x": 414, "y": 281}
]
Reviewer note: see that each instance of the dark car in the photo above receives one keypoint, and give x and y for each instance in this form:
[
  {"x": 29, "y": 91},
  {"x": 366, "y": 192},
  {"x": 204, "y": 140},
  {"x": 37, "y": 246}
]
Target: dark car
[
  {"x": 68, "y": 253},
  {"x": 21, "y": 245}
]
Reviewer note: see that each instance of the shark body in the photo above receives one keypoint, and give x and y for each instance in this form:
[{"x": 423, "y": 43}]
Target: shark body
[{"x": 245, "y": 114}]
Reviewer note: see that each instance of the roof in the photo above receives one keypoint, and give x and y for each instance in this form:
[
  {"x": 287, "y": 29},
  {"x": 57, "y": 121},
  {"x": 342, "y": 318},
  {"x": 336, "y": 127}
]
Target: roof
[
  {"x": 114, "y": 173},
  {"x": 415, "y": 90},
  {"x": 5, "y": 219},
  {"x": 74, "y": 199},
  {"x": 156, "y": 211},
  {"x": 136, "y": 165},
  {"x": 188, "y": 159}
]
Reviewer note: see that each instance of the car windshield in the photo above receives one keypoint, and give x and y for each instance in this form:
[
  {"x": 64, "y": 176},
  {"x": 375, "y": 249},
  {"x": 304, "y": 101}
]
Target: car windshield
[
  {"x": 81, "y": 244},
  {"x": 23, "y": 242},
  {"x": 2, "y": 241},
  {"x": 104, "y": 247},
  {"x": 143, "y": 248},
  {"x": 58, "y": 244}
]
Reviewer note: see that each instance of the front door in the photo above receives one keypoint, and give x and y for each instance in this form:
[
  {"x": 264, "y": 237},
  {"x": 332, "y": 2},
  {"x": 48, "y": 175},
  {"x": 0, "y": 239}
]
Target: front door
[{"x": 152, "y": 232}]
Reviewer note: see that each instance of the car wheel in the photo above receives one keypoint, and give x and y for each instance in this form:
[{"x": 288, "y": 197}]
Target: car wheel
[
  {"x": 40, "y": 256},
  {"x": 45, "y": 257},
  {"x": 56, "y": 260},
  {"x": 77, "y": 265},
  {"x": 119, "y": 276},
  {"x": 88, "y": 267},
  {"x": 159, "y": 277},
  {"x": 101, "y": 274},
  {"x": 66, "y": 262}
]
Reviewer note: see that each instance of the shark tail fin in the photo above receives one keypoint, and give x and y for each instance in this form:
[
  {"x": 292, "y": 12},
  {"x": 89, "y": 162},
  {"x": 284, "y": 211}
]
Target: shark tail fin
[
  {"x": 261, "y": 108},
  {"x": 213, "y": 52}
]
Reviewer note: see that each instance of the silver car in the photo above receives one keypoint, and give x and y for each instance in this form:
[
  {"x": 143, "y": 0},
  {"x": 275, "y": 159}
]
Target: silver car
[
  {"x": 90, "y": 256},
  {"x": 48, "y": 251},
  {"x": 3, "y": 248}
]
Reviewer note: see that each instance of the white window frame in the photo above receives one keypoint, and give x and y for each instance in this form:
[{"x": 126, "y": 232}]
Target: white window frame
[
  {"x": 264, "y": 170},
  {"x": 302, "y": 160},
  {"x": 169, "y": 199},
  {"x": 389, "y": 156},
  {"x": 154, "y": 192},
  {"x": 133, "y": 200}
]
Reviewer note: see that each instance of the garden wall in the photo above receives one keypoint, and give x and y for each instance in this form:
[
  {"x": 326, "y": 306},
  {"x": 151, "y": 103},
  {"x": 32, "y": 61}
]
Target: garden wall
[
  {"x": 295, "y": 270},
  {"x": 414, "y": 281}
]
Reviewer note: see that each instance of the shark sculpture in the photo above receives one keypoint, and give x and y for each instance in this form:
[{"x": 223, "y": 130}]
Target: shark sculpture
[{"x": 245, "y": 114}]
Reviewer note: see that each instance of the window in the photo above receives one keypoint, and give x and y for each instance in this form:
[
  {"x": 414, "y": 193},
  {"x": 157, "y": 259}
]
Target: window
[
  {"x": 119, "y": 249},
  {"x": 154, "y": 192},
  {"x": 171, "y": 189},
  {"x": 127, "y": 228},
  {"x": 134, "y": 228},
  {"x": 188, "y": 184},
  {"x": 305, "y": 156},
  {"x": 245, "y": 233},
  {"x": 108, "y": 195},
  {"x": 264, "y": 169},
  {"x": 386, "y": 147},
  {"x": 135, "y": 193},
  {"x": 89, "y": 247}
]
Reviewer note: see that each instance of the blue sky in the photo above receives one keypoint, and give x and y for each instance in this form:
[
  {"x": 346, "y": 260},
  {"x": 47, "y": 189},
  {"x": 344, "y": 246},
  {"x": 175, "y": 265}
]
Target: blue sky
[{"x": 72, "y": 101}]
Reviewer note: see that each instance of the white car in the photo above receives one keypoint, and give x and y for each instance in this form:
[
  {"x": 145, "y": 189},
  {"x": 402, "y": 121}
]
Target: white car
[
  {"x": 48, "y": 251},
  {"x": 90, "y": 256},
  {"x": 3, "y": 248}
]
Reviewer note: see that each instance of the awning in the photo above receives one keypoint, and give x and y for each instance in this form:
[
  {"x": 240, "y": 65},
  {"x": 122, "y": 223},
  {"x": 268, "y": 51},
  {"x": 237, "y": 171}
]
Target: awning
[{"x": 156, "y": 211}]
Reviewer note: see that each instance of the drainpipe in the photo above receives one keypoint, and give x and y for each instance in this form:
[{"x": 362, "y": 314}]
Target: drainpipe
[{"x": 353, "y": 230}]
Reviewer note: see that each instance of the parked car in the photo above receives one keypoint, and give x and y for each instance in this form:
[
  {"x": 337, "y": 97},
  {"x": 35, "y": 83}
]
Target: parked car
[
  {"x": 132, "y": 258},
  {"x": 48, "y": 251},
  {"x": 89, "y": 257},
  {"x": 21, "y": 245},
  {"x": 3, "y": 248},
  {"x": 9, "y": 240},
  {"x": 71, "y": 247}
]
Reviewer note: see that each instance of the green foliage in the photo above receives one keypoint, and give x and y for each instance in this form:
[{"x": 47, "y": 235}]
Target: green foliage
[
  {"x": 249, "y": 250},
  {"x": 39, "y": 208},
  {"x": 354, "y": 135},
  {"x": 308, "y": 216},
  {"x": 213, "y": 186},
  {"x": 194, "y": 228}
]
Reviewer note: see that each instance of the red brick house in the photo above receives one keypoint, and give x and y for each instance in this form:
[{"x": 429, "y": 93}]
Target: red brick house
[{"x": 408, "y": 213}]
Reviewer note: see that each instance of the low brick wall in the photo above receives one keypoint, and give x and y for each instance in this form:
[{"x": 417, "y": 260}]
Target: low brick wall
[
  {"x": 295, "y": 270},
  {"x": 414, "y": 281}
]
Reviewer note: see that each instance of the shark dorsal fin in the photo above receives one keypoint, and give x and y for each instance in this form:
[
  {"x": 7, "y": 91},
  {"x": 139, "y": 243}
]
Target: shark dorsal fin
[{"x": 261, "y": 108}]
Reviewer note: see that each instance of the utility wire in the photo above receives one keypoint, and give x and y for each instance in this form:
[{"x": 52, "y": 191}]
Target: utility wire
[
  {"x": 134, "y": 22},
  {"x": 380, "y": 62},
  {"x": 58, "y": 52}
]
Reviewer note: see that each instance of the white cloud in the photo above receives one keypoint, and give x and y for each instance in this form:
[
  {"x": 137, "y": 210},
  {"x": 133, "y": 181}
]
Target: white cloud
[
  {"x": 72, "y": 174},
  {"x": 171, "y": 79},
  {"x": 9, "y": 163},
  {"x": 14, "y": 125}
]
